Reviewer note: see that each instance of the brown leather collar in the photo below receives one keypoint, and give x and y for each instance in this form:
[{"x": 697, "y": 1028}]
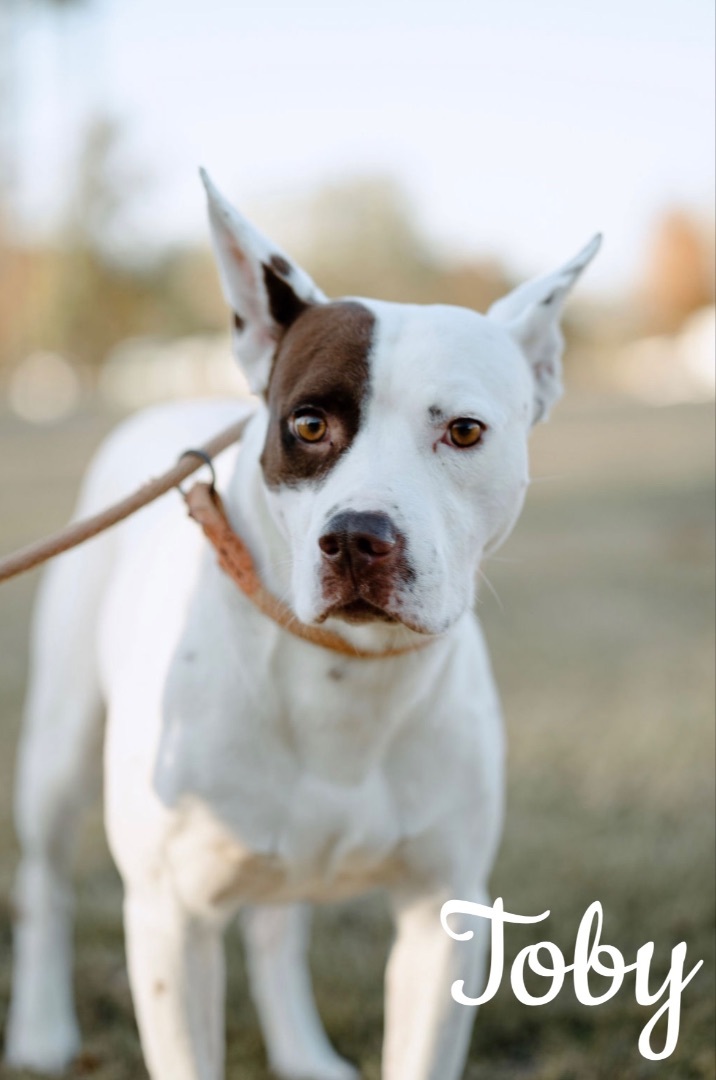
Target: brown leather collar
[{"x": 206, "y": 508}]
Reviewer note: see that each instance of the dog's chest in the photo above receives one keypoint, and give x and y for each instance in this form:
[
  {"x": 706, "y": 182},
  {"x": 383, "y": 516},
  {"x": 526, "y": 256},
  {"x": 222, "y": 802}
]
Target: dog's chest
[
  {"x": 329, "y": 842},
  {"x": 289, "y": 790}
]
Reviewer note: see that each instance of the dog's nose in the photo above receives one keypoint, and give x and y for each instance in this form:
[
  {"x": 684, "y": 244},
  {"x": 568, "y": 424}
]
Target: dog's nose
[{"x": 364, "y": 538}]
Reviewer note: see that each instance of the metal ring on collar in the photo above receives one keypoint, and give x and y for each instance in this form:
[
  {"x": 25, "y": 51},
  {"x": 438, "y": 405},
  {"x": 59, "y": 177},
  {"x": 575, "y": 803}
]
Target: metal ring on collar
[{"x": 203, "y": 456}]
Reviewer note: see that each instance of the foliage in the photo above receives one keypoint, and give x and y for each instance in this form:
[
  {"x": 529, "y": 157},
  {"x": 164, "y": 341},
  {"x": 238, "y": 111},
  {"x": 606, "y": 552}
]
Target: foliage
[{"x": 92, "y": 289}]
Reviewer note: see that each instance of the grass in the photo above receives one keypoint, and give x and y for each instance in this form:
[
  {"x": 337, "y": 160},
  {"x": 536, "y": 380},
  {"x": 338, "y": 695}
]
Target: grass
[{"x": 603, "y": 645}]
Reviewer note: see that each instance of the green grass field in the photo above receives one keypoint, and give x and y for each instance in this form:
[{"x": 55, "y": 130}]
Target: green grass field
[{"x": 601, "y": 629}]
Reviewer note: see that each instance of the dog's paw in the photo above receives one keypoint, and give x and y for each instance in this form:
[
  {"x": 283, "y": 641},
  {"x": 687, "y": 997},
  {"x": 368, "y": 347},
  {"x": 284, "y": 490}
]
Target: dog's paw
[
  {"x": 327, "y": 1067},
  {"x": 42, "y": 1048}
]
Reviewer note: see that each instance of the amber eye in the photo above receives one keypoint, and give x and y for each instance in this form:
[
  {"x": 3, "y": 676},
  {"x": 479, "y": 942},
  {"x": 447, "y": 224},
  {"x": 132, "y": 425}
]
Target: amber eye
[
  {"x": 309, "y": 427},
  {"x": 465, "y": 432}
]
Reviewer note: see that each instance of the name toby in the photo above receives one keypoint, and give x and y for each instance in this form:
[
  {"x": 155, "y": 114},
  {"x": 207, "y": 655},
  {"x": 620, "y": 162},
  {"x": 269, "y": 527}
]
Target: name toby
[{"x": 590, "y": 955}]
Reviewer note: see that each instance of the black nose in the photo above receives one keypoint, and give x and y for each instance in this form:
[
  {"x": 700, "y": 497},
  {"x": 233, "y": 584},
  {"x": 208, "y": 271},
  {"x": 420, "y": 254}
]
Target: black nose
[{"x": 362, "y": 537}]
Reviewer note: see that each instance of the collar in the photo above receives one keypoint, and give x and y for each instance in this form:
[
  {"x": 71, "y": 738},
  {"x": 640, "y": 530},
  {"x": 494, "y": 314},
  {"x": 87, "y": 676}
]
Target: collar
[{"x": 206, "y": 508}]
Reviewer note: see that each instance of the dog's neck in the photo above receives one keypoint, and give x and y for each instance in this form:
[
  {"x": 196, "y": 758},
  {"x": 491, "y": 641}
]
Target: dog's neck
[{"x": 247, "y": 504}]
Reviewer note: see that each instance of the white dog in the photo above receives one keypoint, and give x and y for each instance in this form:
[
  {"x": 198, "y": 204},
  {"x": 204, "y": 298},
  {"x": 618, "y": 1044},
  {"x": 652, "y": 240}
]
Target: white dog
[{"x": 245, "y": 767}]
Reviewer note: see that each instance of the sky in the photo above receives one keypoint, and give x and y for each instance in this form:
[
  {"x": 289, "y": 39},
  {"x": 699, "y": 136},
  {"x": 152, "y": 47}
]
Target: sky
[{"x": 516, "y": 128}]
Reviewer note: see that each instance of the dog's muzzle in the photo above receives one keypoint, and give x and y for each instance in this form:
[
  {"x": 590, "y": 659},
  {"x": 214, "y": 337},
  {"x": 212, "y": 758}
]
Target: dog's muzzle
[{"x": 363, "y": 563}]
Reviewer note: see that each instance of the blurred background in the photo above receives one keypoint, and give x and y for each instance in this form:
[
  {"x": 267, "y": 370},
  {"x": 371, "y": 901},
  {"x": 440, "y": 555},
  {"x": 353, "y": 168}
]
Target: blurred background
[{"x": 427, "y": 152}]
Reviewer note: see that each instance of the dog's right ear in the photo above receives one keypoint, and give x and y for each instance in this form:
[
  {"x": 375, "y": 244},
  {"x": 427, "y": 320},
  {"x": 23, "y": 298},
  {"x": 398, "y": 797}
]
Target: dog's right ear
[{"x": 264, "y": 288}]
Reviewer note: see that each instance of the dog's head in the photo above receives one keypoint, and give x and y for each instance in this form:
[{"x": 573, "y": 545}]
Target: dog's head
[{"x": 395, "y": 452}]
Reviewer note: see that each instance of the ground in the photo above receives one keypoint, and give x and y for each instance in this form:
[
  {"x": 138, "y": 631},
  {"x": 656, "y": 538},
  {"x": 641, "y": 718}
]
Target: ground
[{"x": 600, "y": 619}]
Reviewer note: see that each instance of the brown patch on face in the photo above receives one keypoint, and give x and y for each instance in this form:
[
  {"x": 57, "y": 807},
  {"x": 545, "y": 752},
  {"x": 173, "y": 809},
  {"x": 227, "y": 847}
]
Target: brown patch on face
[{"x": 321, "y": 363}]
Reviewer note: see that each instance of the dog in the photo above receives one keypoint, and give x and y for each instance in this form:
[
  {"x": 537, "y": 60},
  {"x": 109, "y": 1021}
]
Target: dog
[{"x": 246, "y": 768}]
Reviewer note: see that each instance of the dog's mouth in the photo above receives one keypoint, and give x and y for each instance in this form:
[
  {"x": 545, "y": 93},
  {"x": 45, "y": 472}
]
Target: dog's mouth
[
  {"x": 358, "y": 611},
  {"x": 361, "y": 611}
]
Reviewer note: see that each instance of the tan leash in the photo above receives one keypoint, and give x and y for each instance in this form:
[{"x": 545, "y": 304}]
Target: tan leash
[
  {"x": 206, "y": 508},
  {"x": 35, "y": 554}
]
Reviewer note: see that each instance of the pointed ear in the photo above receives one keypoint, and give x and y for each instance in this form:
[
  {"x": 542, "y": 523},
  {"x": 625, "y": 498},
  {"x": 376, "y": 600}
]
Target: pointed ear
[
  {"x": 531, "y": 313},
  {"x": 264, "y": 288}
]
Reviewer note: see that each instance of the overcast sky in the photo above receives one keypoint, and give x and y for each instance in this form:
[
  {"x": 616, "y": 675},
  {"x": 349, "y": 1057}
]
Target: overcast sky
[{"x": 517, "y": 128}]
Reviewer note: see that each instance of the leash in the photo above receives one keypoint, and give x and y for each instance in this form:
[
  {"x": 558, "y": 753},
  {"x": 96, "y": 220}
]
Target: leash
[
  {"x": 206, "y": 508},
  {"x": 38, "y": 553}
]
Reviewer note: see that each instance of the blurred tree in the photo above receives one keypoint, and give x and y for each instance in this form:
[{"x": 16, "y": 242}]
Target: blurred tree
[
  {"x": 360, "y": 237},
  {"x": 679, "y": 274},
  {"x": 96, "y": 285},
  {"x": 103, "y": 192},
  {"x": 98, "y": 297},
  {"x": 83, "y": 295},
  {"x": 63, "y": 5},
  {"x": 71, "y": 295},
  {"x": 79, "y": 292},
  {"x": 7, "y": 102},
  {"x": 11, "y": 11}
]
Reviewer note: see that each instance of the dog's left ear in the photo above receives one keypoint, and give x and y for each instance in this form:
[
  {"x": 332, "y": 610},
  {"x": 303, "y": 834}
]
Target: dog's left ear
[
  {"x": 531, "y": 313},
  {"x": 264, "y": 288}
]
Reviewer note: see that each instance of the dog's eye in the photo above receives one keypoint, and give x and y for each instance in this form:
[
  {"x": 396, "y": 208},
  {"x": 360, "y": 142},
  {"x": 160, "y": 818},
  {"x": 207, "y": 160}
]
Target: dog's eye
[
  {"x": 465, "y": 432},
  {"x": 309, "y": 427}
]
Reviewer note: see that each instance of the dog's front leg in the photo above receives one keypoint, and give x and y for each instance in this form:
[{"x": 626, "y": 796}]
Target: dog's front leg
[
  {"x": 176, "y": 968},
  {"x": 277, "y": 938},
  {"x": 427, "y": 1034}
]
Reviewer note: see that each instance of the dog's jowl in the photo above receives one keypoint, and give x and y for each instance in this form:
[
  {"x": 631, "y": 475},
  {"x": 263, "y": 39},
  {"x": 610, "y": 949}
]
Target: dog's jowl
[{"x": 247, "y": 768}]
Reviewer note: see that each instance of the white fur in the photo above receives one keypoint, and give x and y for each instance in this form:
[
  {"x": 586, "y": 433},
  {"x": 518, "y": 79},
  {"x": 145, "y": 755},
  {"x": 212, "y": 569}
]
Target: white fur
[{"x": 245, "y": 768}]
